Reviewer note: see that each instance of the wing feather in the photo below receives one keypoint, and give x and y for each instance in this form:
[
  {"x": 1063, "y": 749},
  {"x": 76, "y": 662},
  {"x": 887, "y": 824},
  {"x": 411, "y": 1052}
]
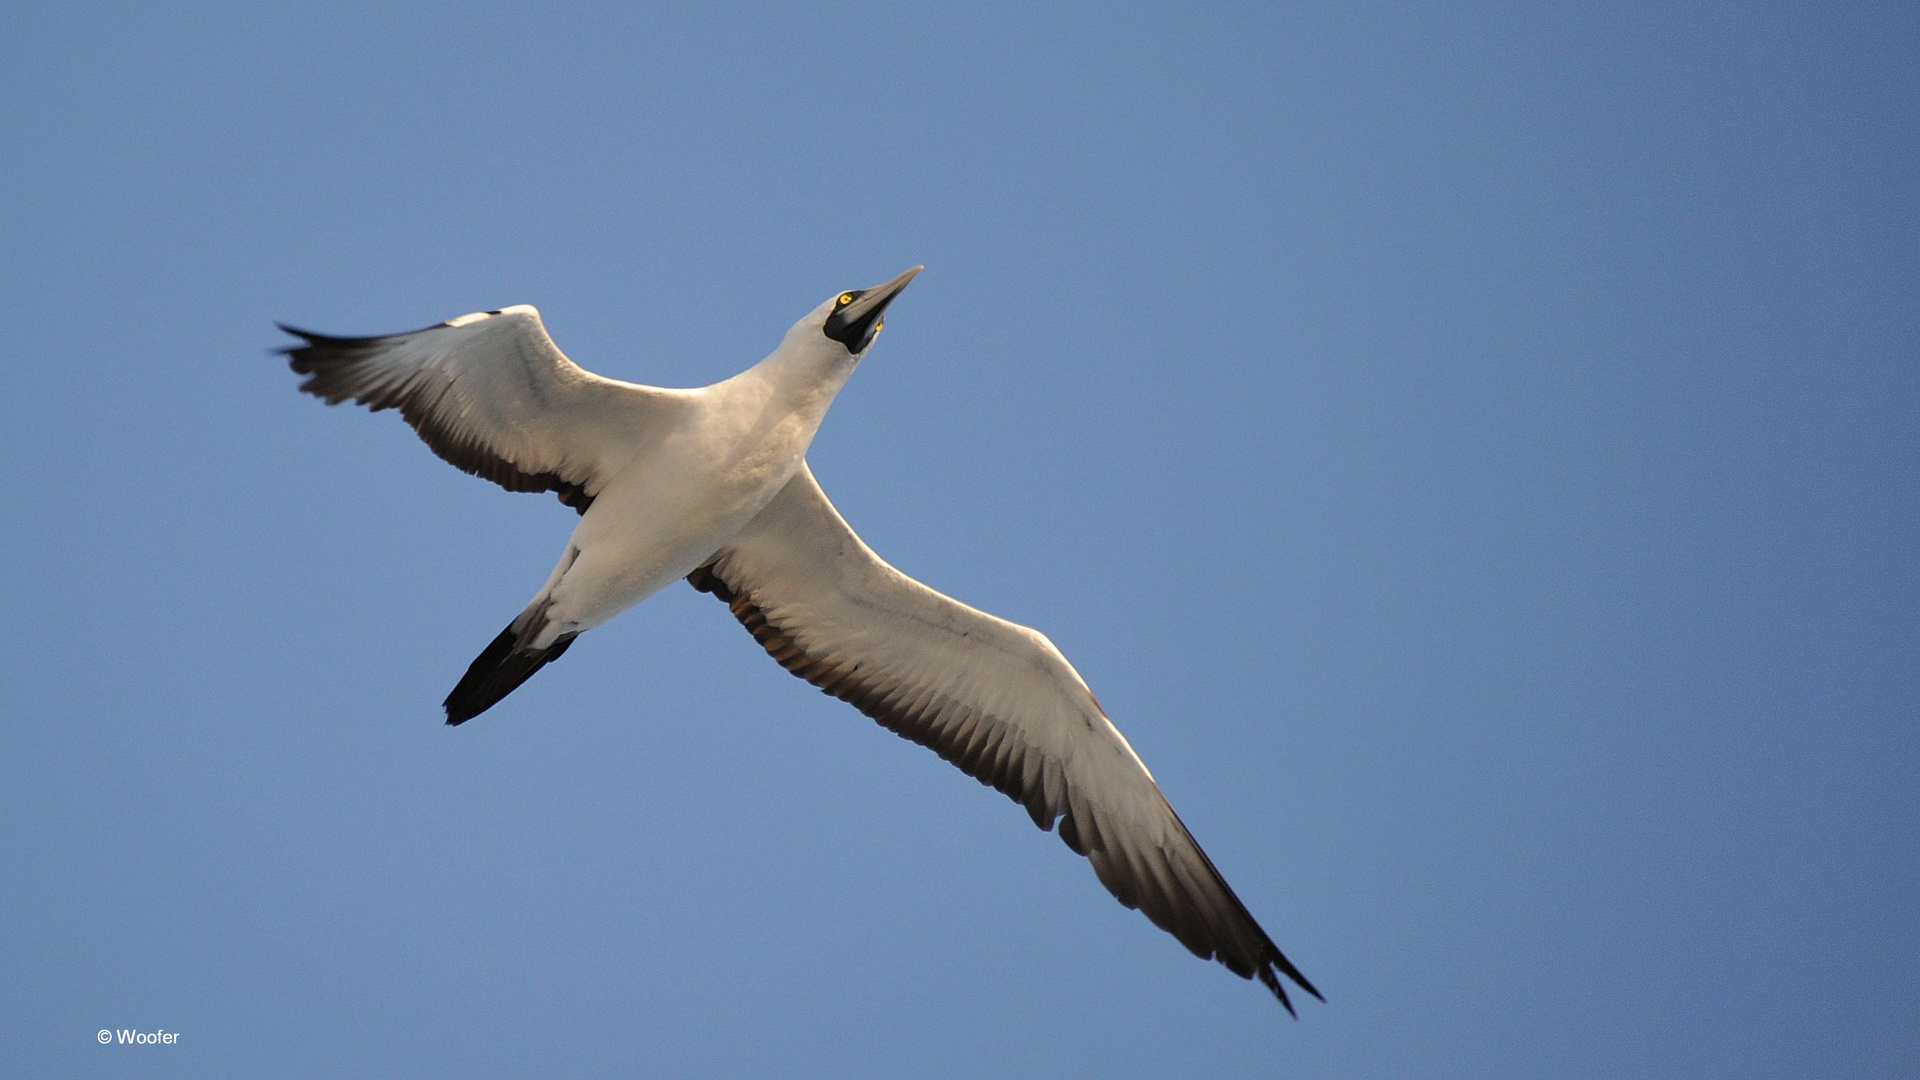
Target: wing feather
[
  {"x": 992, "y": 697},
  {"x": 492, "y": 395}
]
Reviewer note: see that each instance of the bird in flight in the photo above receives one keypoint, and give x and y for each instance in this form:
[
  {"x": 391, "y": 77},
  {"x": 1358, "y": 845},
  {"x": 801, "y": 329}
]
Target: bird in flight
[{"x": 712, "y": 485}]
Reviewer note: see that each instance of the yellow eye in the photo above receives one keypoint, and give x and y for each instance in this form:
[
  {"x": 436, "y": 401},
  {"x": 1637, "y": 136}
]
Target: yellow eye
[{"x": 846, "y": 298}]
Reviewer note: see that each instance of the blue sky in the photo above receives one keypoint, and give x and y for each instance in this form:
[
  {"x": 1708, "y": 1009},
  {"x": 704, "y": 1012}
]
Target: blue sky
[{"x": 1472, "y": 452}]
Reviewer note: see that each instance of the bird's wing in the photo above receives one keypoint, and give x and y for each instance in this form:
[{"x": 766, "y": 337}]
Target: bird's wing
[
  {"x": 992, "y": 697},
  {"x": 493, "y": 395}
]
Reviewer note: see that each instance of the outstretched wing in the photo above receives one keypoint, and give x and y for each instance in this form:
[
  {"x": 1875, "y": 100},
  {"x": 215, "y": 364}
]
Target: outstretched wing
[
  {"x": 992, "y": 697},
  {"x": 494, "y": 396}
]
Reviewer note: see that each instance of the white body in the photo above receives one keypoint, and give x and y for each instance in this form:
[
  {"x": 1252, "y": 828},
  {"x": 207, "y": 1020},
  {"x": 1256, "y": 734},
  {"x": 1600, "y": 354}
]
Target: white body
[{"x": 695, "y": 477}]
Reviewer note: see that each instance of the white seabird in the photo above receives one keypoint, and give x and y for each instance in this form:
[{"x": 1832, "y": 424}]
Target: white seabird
[{"x": 712, "y": 485}]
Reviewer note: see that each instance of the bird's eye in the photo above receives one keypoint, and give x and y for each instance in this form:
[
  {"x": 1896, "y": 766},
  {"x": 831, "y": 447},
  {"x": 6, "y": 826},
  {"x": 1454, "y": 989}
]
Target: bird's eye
[{"x": 846, "y": 298}]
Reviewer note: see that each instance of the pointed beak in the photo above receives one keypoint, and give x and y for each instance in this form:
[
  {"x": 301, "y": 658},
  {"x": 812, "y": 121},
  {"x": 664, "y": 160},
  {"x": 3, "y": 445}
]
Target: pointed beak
[
  {"x": 855, "y": 323},
  {"x": 875, "y": 300}
]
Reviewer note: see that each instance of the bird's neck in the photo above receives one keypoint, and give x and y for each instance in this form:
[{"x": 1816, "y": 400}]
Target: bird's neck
[{"x": 804, "y": 379}]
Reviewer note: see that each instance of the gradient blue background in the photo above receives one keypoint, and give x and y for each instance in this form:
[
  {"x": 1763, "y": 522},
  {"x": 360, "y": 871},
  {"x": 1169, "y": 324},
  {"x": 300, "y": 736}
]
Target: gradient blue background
[{"x": 1473, "y": 453}]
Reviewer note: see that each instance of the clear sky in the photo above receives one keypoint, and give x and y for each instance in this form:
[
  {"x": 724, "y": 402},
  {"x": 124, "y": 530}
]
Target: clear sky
[{"x": 1473, "y": 451}]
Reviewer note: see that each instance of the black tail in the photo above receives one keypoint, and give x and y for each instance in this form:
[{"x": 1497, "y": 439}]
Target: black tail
[{"x": 497, "y": 672}]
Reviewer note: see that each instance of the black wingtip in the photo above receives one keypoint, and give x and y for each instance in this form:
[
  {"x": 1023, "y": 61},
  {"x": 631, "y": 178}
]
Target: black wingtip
[
  {"x": 309, "y": 337},
  {"x": 306, "y": 339},
  {"x": 1293, "y": 973},
  {"x": 316, "y": 351},
  {"x": 1272, "y": 981},
  {"x": 496, "y": 672},
  {"x": 1281, "y": 992},
  {"x": 329, "y": 346}
]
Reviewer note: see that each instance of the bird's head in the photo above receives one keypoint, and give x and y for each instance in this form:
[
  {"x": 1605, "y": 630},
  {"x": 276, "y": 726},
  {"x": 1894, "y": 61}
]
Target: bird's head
[{"x": 851, "y": 320}]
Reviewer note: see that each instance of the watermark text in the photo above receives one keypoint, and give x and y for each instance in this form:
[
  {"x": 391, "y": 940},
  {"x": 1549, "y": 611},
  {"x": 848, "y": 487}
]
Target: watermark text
[{"x": 129, "y": 1037}]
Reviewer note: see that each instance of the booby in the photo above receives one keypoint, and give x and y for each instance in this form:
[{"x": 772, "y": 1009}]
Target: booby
[{"x": 712, "y": 485}]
